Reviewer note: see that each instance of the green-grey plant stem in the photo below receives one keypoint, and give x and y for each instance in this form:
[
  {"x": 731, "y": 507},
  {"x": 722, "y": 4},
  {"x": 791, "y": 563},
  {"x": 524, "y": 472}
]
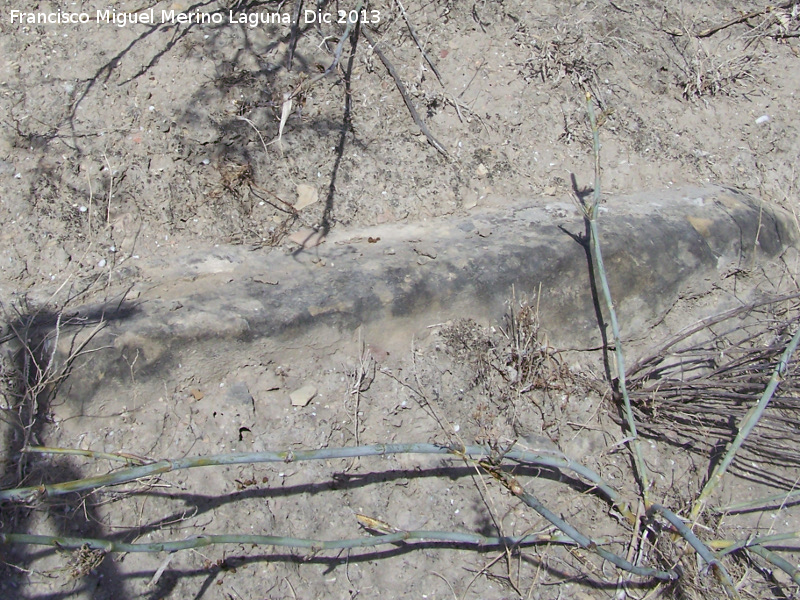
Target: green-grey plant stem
[
  {"x": 759, "y": 545},
  {"x": 592, "y": 213},
  {"x": 589, "y": 544},
  {"x": 749, "y": 422},
  {"x": 199, "y": 541},
  {"x": 704, "y": 551},
  {"x": 780, "y": 562},
  {"x": 87, "y": 453},
  {"x": 764, "y": 540},
  {"x": 165, "y": 466},
  {"x": 761, "y": 502}
]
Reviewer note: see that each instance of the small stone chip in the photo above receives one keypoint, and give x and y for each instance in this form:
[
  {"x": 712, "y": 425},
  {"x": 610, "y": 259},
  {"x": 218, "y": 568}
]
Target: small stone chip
[
  {"x": 303, "y": 395},
  {"x": 307, "y": 237},
  {"x": 425, "y": 249},
  {"x": 306, "y": 196},
  {"x": 265, "y": 280}
]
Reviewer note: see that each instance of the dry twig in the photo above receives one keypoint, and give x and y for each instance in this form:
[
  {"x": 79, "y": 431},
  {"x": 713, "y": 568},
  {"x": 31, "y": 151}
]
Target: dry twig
[
  {"x": 404, "y": 93},
  {"x": 745, "y": 17}
]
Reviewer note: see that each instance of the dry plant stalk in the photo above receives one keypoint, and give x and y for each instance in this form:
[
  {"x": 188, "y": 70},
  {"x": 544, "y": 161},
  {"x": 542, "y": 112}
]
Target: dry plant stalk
[
  {"x": 37, "y": 370},
  {"x": 749, "y": 422},
  {"x": 694, "y": 384}
]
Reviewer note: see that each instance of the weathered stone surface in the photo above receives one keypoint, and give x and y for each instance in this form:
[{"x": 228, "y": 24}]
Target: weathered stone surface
[{"x": 656, "y": 246}]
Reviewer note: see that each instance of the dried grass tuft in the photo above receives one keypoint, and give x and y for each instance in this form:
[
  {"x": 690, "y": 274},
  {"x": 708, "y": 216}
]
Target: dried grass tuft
[
  {"x": 512, "y": 360},
  {"x": 693, "y": 392}
]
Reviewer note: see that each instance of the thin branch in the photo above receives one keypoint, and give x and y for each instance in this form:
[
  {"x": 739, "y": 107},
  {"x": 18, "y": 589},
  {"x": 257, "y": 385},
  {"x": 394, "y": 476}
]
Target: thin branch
[
  {"x": 402, "y": 89},
  {"x": 417, "y": 42},
  {"x": 707, "y": 322},
  {"x": 745, "y": 17}
]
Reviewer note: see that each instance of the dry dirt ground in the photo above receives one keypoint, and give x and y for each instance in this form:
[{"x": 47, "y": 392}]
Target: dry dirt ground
[{"x": 121, "y": 143}]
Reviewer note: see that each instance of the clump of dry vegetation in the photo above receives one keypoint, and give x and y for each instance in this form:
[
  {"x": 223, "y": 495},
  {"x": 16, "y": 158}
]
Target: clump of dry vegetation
[
  {"x": 697, "y": 386},
  {"x": 510, "y": 360}
]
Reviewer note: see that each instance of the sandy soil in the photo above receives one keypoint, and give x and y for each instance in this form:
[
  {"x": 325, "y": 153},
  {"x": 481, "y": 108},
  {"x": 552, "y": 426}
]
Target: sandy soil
[{"x": 120, "y": 144}]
